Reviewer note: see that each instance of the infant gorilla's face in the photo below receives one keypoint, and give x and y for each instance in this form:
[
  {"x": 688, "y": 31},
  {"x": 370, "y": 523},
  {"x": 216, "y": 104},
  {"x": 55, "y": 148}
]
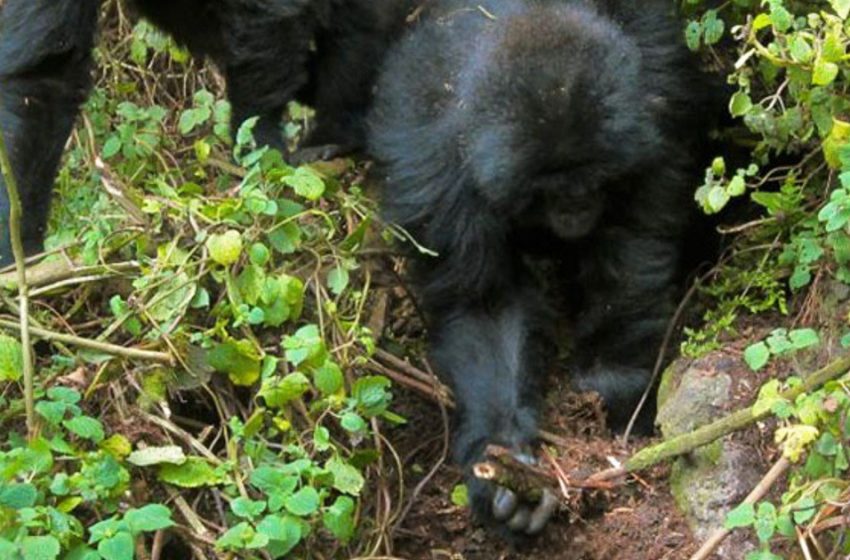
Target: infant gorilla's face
[{"x": 569, "y": 204}]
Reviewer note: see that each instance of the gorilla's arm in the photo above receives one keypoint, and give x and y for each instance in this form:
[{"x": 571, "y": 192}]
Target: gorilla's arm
[
  {"x": 494, "y": 354},
  {"x": 45, "y": 59}
]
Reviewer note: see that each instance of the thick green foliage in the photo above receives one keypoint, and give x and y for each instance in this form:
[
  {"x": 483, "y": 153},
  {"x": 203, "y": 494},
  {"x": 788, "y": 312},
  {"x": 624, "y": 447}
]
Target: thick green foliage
[
  {"x": 789, "y": 63},
  {"x": 248, "y": 275}
]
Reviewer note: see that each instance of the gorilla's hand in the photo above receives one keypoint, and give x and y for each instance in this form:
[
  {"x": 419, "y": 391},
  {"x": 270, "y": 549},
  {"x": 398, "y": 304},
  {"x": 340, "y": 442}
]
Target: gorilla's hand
[{"x": 501, "y": 507}]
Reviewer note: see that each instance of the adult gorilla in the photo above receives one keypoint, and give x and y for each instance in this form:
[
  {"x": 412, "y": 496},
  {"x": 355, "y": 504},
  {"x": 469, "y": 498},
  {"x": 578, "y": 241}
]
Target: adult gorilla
[
  {"x": 321, "y": 52},
  {"x": 513, "y": 129}
]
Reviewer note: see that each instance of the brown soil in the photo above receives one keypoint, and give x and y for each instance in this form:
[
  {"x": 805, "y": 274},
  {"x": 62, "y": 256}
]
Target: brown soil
[{"x": 636, "y": 520}]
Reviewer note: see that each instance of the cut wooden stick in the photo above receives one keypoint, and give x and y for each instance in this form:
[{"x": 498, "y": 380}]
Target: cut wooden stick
[
  {"x": 529, "y": 481},
  {"x": 759, "y": 492}
]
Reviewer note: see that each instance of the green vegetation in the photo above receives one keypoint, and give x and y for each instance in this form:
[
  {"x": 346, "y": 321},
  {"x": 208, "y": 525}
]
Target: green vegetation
[
  {"x": 228, "y": 276},
  {"x": 789, "y": 65}
]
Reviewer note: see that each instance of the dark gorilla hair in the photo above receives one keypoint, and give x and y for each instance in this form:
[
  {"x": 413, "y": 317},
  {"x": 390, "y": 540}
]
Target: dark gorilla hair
[
  {"x": 321, "y": 52},
  {"x": 566, "y": 130}
]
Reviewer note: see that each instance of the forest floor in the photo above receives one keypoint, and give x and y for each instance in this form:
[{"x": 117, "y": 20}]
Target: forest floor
[{"x": 637, "y": 521}]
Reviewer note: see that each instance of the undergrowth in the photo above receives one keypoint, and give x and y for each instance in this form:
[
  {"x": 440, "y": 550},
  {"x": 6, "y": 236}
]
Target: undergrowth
[
  {"x": 787, "y": 64},
  {"x": 194, "y": 280}
]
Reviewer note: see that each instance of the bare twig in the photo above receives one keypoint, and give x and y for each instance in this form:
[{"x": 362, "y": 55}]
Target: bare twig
[
  {"x": 431, "y": 387},
  {"x": 761, "y": 489},
  {"x": 23, "y": 292},
  {"x": 106, "y": 348}
]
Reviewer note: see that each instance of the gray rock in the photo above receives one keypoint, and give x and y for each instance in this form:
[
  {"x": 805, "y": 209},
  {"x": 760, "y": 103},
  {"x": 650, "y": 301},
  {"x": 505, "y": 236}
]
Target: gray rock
[{"x": 710, "y": 481}]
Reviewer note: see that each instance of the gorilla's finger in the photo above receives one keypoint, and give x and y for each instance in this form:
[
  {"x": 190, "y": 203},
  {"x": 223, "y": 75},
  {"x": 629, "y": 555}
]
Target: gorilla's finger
[
  {"x": 542, "y": 513},
  {"x": 520, "y": 519},
  {"x": 504, "y": 504}
]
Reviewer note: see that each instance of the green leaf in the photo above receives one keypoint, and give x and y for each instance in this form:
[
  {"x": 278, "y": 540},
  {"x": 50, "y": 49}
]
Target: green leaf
[
  {"x": 118, "y": 547},
  {"x": 238, "y": 359},
  {"x": 800, "y": 49},
  {"x": 460, "y": 495},
  {"x": 338, "y": 280},
  {"x": 64, "y": 394},
  {"x": 306, "y": 183},
  {"x": 803, "y": 338},
  {"x": 757, "y": 356},
  {"x": 259, "y": 254},
  {"x": 82, "y": 552},
  {"x": 277, "y": 391},
  {"x": 225, "y": 248},
  {"x": 353, "y": 422},
  {"x": 40, "y": 548},
  {"x": 247, "y": 508},
  {"x": 306, "y": 345},
  {"x": 841, "y": 7},
  {"x": 371, "y": 394},
  {"x": 824, "y": 73},
  {"x": 245, "y": 134},
  {"x": 693, "y": 32},
  {"x": 157, "y": 455},
  {"x": 763, "y": 554},
  {"x": 765, "y": 523},
  {"x": 11, "y": 358},
  {"x": 53, "y": 412},
  {"x": 236, "y": 537},
  {"x": 18, "y": 496},
  {"x": 740, "y": 104},
  {"x": 736, "y": 186},
  {"x": 303, "y": 503},
  {"x": 717, "y": 199},
  {"x": 712, "y": 27},
  {"x": 283, "y": 532},
  {"x": 85, "y": 427},
  {"x": 270, "y": 479},
  {"x": 827, "y": 445},
  {"x": 780, "y": 17},
  {"x": 151, "y": 517},
  {"x": 742, "y": 516},
  {"x": 328, "y": 378},
  {"x": 804, "y": 510},
  {"x": 785, "y": 526},
  {"x": 111, "y": 147},
  {"x": 347, "y": 479},
  {"x": 339, "y": 518},
  {"x": 195, "y": 472}
]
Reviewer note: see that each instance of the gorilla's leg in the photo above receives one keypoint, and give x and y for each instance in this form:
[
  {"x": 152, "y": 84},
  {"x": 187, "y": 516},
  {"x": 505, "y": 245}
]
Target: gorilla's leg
[
  {"x": 265, "y": 64},
  {"x": 260, "y": 46},
  {"x": 629, "y": 290},
  {"x": 493, "y": 355},
  {"x": 45, "y": 58}
]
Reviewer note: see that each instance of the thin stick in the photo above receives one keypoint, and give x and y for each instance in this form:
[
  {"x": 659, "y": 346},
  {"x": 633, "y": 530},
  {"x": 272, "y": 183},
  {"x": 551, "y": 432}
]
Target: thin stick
[
  {"x": 434, "y": 389},
  {"x": 106, "y": 348},
  {"x": 662, "y": 352},
  {"x": 23, "y": 290},
  {"x": 759, "y": 492}
]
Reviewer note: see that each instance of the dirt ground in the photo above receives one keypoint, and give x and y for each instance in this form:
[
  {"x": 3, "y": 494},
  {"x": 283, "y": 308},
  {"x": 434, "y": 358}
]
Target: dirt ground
[{"x": 635, "y": 521}]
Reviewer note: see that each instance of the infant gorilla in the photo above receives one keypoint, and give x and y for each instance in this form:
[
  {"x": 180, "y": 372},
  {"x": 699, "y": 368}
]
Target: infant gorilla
[{"x": 509, "y": 128}]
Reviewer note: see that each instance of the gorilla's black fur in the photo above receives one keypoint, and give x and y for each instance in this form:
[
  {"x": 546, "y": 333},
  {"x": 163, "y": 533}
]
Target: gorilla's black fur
[
  {"x": 322, "y": 52},
  {"x": 510, "y": 128}
]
